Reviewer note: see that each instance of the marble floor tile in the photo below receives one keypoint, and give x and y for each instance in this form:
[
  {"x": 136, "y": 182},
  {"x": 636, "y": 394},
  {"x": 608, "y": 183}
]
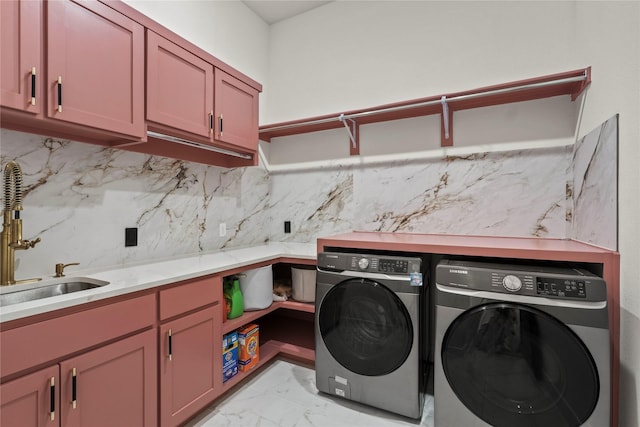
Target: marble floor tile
[{"x": 284, "y": 394}]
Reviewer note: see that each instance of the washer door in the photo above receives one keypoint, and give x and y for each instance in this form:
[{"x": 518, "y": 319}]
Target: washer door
[
  {"x": 513, "y": 365},
  {"x": 365, "y": 327}
]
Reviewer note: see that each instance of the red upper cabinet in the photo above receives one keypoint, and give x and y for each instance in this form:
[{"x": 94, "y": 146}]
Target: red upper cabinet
[
  {"x": 95, "y": 67},
  {"x": 179, "y": 87},
  {"x": 21, "y": 70},
  {"x": 236, "y": 111}
]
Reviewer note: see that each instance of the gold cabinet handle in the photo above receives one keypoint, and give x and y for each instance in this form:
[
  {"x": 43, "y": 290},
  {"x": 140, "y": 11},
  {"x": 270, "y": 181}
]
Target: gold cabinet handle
[
  {"x": 211, "y": 122},
  {"x": 52, "y": 389},
  {"x": 59, "y": 94},
  {"x": 74, "y": 388},
  {"x": 220, "y": 119},
  {"x": 170, "y": 345},
  {"x": 33, "y": 86}
]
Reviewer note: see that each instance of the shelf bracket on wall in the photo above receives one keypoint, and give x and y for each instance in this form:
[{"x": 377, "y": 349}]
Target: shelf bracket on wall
[
  {"x": 446, "y": 124},
  {"x": 353, "y": 129}
]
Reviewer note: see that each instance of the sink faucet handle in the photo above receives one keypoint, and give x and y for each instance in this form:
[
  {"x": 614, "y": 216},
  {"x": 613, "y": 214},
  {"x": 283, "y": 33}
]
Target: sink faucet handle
[
  {"x": 32, "y": 243},
  {"x": 60, "y": 268}
]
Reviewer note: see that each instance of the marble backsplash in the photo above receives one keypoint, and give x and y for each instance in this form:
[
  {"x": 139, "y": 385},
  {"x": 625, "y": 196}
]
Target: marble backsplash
[
  {"x": 515, "y": 193},
  {"x": 595, "y": 186},
  {"x": 80, "y": 197}
]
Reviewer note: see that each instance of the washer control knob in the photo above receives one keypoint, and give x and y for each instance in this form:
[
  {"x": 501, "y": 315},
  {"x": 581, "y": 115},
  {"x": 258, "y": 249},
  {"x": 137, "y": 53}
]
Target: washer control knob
[
  {"x": 512, "y": 283},
  {"x": 363, "y": 263}
]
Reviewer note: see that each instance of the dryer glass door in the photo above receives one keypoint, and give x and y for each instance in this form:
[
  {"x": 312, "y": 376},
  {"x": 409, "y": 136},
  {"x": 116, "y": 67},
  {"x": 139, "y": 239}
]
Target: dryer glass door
[
  {"x": 365, "y": 327},
  {"x": 514, "y": 365}
]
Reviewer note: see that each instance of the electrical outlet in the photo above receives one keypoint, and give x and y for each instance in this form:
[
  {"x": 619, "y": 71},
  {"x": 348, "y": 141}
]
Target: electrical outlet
[
  {"x": 287, "y": 227},
  {"x": 223, "y": 229},
  {"x": 131, "y": 237}
]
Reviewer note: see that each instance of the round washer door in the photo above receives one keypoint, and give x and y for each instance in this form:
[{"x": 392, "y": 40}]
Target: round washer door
[
  {"x": 365, "y": 327},
  {"x": 514, "y": 365}
]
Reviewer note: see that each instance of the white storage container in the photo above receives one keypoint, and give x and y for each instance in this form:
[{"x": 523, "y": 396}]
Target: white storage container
[
  {"x": 303, "y": 279},
  {"x": 257, "y": 288}
]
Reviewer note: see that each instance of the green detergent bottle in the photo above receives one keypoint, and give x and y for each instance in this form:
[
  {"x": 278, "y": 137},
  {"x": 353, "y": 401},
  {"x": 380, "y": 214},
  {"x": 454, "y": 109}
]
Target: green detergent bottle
[{"x": 233, "y": 297}]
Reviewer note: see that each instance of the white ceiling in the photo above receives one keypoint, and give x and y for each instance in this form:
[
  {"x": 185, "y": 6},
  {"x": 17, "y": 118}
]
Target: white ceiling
[{"x": 272, "y": 11}]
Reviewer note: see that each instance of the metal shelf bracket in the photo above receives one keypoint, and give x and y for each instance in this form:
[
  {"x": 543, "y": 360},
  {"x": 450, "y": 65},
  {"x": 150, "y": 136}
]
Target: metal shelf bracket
[{"x": 354, "y": 133}]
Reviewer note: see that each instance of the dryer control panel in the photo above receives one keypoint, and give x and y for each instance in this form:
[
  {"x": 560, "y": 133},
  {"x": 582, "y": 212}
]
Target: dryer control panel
[{"x": 529, "y": 280}]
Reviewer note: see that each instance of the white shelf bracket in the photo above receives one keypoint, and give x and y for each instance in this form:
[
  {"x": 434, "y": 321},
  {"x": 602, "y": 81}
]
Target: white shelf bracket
[
  {"x": 350, "y": 126},
  {"x": 445, "y": 115}
]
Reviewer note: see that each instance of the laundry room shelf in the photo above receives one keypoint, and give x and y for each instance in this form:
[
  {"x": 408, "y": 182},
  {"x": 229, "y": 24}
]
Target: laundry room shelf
[
  {"x": 249, "y": 316},
  {"x": 571, "y": 83}
]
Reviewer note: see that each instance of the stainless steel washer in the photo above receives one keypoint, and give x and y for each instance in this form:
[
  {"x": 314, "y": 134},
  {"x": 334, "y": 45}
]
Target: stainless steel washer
[
  {"x": 369, "y": 330},
  {"x": 519, "y": 345}
]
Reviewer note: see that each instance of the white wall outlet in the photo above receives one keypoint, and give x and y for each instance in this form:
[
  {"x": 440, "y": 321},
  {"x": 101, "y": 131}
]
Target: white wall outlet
[{"x": 223, "y": 229}]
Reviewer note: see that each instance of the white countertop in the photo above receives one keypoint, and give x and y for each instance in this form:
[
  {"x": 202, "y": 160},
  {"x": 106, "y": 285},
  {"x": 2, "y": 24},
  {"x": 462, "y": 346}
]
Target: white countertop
[{"x": 127, "y": 279}]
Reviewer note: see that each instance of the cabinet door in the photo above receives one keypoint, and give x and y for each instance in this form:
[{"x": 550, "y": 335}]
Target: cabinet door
[
  {"x": 98, "y": 56},
  {"x": 191, "y": 364},
  {"x": 236, "y": 111},
  {"x": 179, "y": 87},
  {"x": 114, "y": 385},
  {"x": 31, "y": 400},
  {"x": 20, "y": 40}
]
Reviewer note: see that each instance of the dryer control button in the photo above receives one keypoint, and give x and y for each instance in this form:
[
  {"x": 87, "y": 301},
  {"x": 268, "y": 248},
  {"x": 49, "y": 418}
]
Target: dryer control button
[
  {"x": 363, "y": 263},
  {"x": 512, "y": 283}
]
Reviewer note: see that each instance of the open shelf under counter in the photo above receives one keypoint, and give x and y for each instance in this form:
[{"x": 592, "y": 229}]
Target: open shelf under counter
[
  {"x": 269, "y": 351},
  {"x": 249, "y": 316}
]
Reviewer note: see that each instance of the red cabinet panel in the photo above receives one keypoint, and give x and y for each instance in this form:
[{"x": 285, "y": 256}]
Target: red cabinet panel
[
  {"x": 189, "y": 296},
  {"x": 179, "y": 87},
  {"x": 26, "y": 402},
  {"x": 190, "y": 364},
  {"x": 21, "y": 52},
  {"x": 236, "y": 111},
  {"x": 42, "y": 342},
  {"x": 115, "y": 385},
  {"x": 98, "y": 56}
]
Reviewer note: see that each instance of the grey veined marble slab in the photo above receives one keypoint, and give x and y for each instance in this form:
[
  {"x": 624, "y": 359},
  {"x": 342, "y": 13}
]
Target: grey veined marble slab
[{"x": 595, "y": 186}]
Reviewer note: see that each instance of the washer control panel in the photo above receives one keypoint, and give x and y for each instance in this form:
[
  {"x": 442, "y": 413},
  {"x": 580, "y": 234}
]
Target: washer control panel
[
  {"x": 529, "y": 280},
  {"x": 391, "y": 265},
  {"x": 397, "y": 265},
  {"x": 561, "y": 287}
]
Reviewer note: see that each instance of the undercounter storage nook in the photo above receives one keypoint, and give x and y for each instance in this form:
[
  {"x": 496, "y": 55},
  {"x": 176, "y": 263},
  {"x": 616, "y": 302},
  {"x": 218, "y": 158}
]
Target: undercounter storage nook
[{"x": 285, "y": 328}]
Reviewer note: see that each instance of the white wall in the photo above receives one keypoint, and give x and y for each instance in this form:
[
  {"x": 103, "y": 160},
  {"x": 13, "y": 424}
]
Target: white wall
[
  {"x": 609, "y": 35},
  {"x": 358, "y": 54},
  {"x": 354, "y": 54}
]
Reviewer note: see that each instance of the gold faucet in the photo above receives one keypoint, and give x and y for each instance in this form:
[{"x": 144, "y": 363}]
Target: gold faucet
[{"x": 11, "y": 235}]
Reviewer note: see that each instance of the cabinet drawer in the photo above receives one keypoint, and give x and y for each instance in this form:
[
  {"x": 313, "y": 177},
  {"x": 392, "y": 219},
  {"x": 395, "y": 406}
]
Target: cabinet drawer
[
  {"x": 32, "y": 345},
  {"x": 188, "y": 296}
]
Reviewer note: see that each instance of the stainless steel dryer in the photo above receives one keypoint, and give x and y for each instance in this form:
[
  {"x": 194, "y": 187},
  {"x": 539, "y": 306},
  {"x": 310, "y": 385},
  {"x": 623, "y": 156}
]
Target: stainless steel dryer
[
  {"x": 520, "y": 345},
  {"x": 369, "y": 330}
]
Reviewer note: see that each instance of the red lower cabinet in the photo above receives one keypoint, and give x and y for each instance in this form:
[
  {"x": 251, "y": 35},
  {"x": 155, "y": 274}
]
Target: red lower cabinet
[
  {"x": 32, "y": 400},
  {"x": 114, "y": 385},
  {"x": 190, "y": 364}
]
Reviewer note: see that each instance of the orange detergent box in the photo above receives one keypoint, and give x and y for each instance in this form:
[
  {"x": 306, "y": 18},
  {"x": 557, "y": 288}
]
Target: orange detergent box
[{"x": 249, "y": 349}]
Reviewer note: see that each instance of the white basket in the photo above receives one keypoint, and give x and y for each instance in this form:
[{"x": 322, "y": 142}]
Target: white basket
[
  {"x": 303, "y": 284},
  {"x": 257, "y": 288}
]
